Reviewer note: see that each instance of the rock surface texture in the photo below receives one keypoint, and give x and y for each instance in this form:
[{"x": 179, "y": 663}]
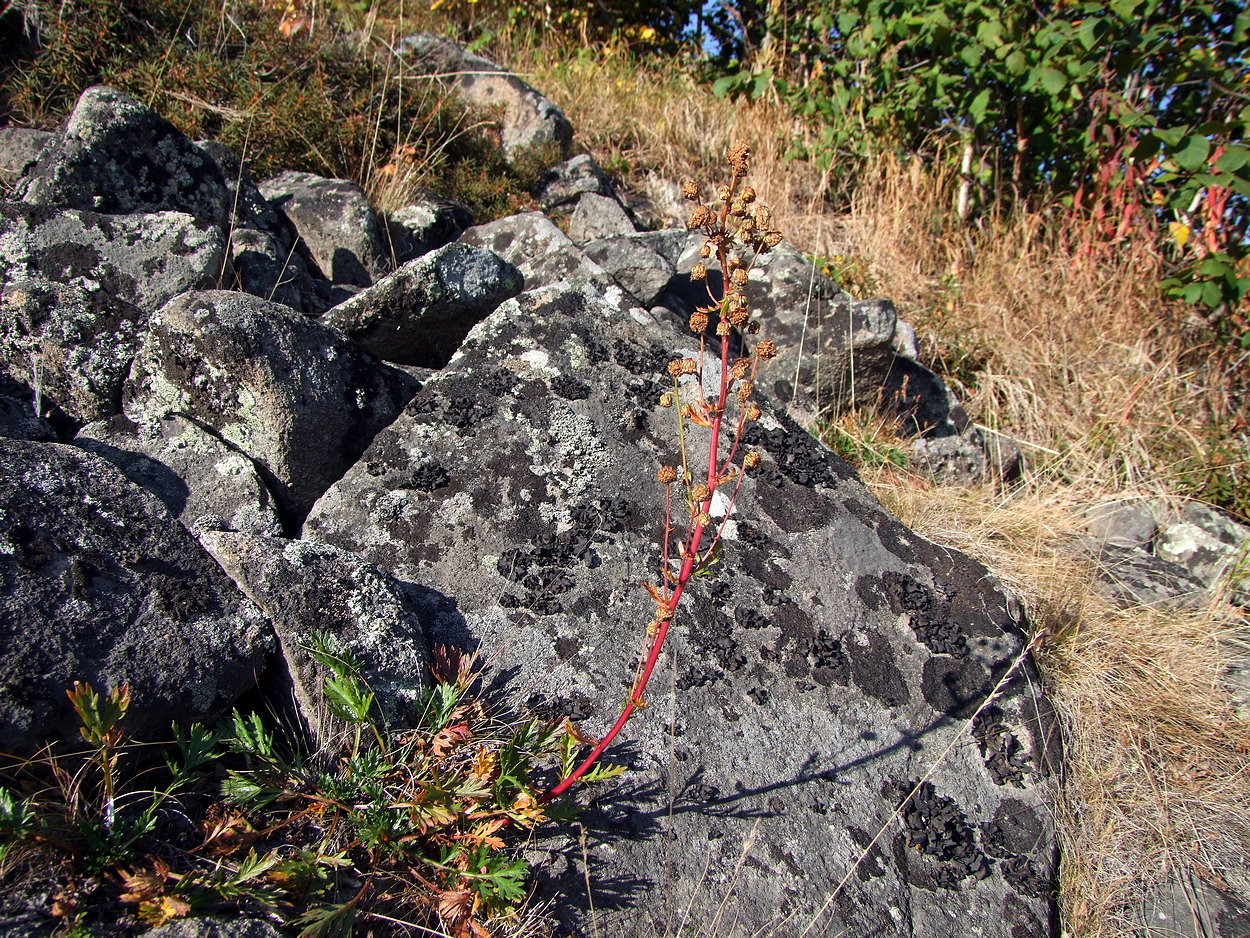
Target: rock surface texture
[{"x": 816, "y": 681}]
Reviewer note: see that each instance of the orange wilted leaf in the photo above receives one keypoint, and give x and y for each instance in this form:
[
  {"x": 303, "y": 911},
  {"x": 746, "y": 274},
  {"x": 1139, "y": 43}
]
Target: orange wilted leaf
[
  {"x": 484, "y": 764},
  {"x": 157, "y": 912},
  {"x": 576, "y": 732},
  {"x": 227, "y": 834},
  {"x": 455, "y": 905},
  {"x": 448, "y": 738}
]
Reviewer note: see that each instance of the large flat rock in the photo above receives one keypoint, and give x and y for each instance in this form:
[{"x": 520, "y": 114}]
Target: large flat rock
[{"x": 833, "y": 664}]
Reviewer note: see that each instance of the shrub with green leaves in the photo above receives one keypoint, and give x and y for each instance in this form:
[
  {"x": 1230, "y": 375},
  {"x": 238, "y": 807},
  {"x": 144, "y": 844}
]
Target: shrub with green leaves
[{"x": 402, "y": 825}]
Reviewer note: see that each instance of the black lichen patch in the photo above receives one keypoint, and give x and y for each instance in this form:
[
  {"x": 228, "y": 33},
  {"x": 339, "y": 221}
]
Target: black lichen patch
[
  {"x": 935, "y": 827},
  {"x": 542, "y": 568},
  {"x": 749, "y": 618},
  {"x": 928, "y": 613},
  {"x": 713, "y": 636},
  {"x": 427, "y": 477},
  {"x": 576, "y": 707},
  {"x": 827, "y": 655},
  {"x": 64, "y": 261},
  {"x": 1006, "y": 758},
  {"x": 797, "y": 455},
  {"x": 953, "y": 687},
  {"x": 34, "y": 549},
  {"x": 874, "y": 672},
  {"x": 570, "y": 388},
  {"x": 873, "y": 865}
]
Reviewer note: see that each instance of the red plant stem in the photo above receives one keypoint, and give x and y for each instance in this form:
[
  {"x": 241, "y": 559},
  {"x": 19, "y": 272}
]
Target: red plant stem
[{"x": 693, "y": 540}]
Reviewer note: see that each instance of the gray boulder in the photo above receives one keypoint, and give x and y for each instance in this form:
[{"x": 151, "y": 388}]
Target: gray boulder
[
  {"x": 420, "y": 314},
  {"x": 425, "y": 224},
  {"x": 295, "y": 395},
  {"x": 529, "y": 120},
  {"x": 1122, "y": 523},
  {"x": 195, "y": 474},
  {"x": 1130, "y": 577},
  {"x": 205, "y": 927},
  {"x": 564, "y": 183},
  {"x": 264, "y": 267},
  {"x": 833, "y": 662},
  {"x": 958, "y": 460},
  {"x": 20, "y": 148},
  {"x": 844, "y": 352},
  {"x": 145, "y": 259},
  {"x": 635, "y": 264},
  {"x": 302, "y": 587},
  {"x": 597, "y": 216},
  {"x": 101, "y": 585},
  {"x": 541, "y": 251},
  {"x": 118, "y": 157},
  {"x": 71, "y": 344},
  {"x": 335, "y": 223}
]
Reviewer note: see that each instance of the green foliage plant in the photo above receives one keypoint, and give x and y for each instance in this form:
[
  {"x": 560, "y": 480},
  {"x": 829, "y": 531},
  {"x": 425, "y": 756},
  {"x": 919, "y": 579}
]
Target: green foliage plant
[
  {"x": 711, "y": 393},
  {"x": 399, "y": 825},
  {"x": 1133, "y": 113}
]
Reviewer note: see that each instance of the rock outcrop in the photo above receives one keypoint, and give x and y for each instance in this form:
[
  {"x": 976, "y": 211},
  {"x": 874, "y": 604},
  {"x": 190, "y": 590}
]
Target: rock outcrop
[{"x": 848, "y": 732}]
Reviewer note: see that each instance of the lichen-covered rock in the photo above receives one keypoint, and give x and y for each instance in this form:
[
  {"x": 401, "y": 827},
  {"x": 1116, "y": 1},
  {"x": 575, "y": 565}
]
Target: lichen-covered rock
[
  {"x": 565, "y": 182},
  {"x": 335, "y": 223},
  {"x": 1209, "y": 543},
  {"x": 957, "y": 460},
  {"x": 597, "y": 216},
  {"x": 833, "y": 660},
  {"x": 263, "y": 267},
  {"x": 425, "y": 224},
  {"x": 637, "y": 266},
  {"x": 99, "y": 584},
  {"x": 419, "y": 314},
  {"x": 195, "y": 474},
  {"x": 1130, "y": 577},
  {"x": 144, "y": 259},
  {"x": 529, "y": 119},
  {"x": 541, "y": 251},
  {"x": 1122, "y": 523},
  {"x": 248, "y": 207},
  {"x": 73, "y": 344},
  {"x": 118, "y": 157},
  {"x": 20, "y": 148},
  {"x": 305, "y": 588},
  {"x": 295, "y": 395}
]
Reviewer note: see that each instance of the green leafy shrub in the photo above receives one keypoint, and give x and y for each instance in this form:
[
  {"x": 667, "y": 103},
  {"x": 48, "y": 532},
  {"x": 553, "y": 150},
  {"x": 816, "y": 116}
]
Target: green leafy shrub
[{"x": 408, "y": 826}]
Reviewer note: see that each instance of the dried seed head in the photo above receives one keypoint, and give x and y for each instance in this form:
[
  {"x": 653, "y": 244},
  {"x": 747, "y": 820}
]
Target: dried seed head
[
  {"x": 739, "y": 276},
  {"x": 702, "y": 215},
  {"x": 690, "y": 191},
  {"x": 746, "y": 231},
  {"x": 772, "y": 239},
  {"x": 700, "y": 493},
  {"x": 738, "y": 208},
  {"x": 682, "y": 366},
  {"x": 738, "y": 316},
  {"x": 698, "y": 323},
  {"x": 663, "y": 612},
  {"x": 762, "y": 216},
  {"x": 737, "y": 158},
  {"x": 753, "y": 328},
  {"x": 753, "y": 412},
  {"x": 724, "y": 193},
  {"x": 739, "y": 368},
  {"x": 744, "y": 390},
  {"x": 698, "y": 272},
  {"x": 667, "y": 399},
  {"x": 703, "y": 519},
  {"x": 751, "y": 460},
  {"x": 723, "y": 328},
  {"x": 734, "y": 261},
  {"x": 667, "y": 475},
  {"x": 706, "y": 251},
  {"x": 766, "y": 350}
]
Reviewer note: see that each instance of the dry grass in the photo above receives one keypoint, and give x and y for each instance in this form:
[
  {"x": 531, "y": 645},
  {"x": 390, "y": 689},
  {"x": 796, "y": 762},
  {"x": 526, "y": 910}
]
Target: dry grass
[{"x": 1157, "y": 776}]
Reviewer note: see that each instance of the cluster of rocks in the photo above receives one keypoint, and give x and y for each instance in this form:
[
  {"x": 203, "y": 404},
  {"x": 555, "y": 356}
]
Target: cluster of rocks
[{"x": 234, "y": 413}]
